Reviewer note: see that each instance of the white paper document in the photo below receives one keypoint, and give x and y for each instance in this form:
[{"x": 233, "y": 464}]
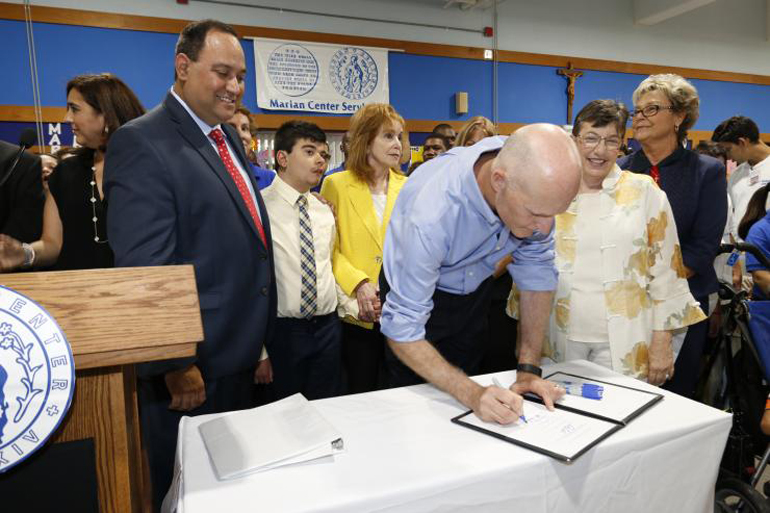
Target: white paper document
[
  {"x": 560, "y": 433},
  {"x": 285, "y": 432},
  {"x": 577, "y": 424}
]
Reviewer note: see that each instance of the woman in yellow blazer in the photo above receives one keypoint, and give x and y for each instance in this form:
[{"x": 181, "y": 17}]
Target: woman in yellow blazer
[{"x": 363, "y": 197}]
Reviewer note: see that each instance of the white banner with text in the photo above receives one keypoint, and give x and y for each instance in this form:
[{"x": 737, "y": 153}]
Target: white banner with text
[{"x": 318, "y": 77}]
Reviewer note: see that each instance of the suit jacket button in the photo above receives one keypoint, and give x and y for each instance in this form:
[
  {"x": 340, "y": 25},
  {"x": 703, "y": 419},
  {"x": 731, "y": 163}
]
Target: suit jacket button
[
  {"x": 264, "y": 257},
  {"x": 264, "y": 291}
]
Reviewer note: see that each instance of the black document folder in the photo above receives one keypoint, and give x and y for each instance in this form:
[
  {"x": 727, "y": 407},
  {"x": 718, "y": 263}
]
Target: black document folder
[{"x": 577, "y": 424}]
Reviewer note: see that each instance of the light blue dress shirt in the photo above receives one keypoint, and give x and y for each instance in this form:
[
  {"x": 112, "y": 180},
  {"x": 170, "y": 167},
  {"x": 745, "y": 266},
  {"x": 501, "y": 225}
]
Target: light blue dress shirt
[{"x": 443, "y": 234}]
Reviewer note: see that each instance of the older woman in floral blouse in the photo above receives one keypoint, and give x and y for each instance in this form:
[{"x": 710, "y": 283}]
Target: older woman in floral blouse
[{"x": 622, "y": 285}]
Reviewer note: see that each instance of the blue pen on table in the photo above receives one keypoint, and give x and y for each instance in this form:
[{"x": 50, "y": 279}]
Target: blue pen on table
[
  {"x": 497, "y": 384},
  {"x": 587, "y": 390}
]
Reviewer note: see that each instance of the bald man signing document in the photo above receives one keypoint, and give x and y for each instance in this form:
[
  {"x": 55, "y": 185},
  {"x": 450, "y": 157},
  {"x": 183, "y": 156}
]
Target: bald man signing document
[{"x": 456, "y": 217}]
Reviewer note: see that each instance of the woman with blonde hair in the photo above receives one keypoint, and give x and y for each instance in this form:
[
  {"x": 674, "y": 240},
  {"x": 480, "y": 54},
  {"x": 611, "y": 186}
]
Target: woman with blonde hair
[
  {"x": 666, "y": 107},
  {"x": 363, "y": 196},
  {"x": 474, "y": 130}
]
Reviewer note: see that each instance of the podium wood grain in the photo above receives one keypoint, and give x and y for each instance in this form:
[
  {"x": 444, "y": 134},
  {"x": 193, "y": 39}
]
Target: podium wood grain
[
  {"x": 114, "y": 318},
  {"x": 107, "y": 312}
]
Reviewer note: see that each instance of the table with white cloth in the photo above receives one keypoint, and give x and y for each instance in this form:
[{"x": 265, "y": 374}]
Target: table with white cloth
[{"x": 402, "y": 454}]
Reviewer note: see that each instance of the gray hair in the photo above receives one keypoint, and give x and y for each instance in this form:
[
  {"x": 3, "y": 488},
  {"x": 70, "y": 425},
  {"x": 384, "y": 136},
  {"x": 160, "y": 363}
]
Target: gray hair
[{"x": 680, "y": 92}]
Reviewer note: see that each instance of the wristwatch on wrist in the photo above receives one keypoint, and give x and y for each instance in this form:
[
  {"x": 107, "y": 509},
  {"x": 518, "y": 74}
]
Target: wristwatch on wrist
[
  {"x": 29, "y": 255},
  {"x": 532, "y": 369}
]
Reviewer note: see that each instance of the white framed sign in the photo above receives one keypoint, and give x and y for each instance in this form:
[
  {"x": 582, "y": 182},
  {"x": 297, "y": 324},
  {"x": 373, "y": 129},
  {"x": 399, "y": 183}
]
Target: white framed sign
[{"x": 318, "y": 77}]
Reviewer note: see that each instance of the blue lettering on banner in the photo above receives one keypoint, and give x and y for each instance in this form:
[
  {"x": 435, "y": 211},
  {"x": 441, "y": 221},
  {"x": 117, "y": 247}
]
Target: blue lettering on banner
[
  {"x": 324, "y": 107},
  {"x": 287, "y": 105},
  {"x": 293, "y": 70}
]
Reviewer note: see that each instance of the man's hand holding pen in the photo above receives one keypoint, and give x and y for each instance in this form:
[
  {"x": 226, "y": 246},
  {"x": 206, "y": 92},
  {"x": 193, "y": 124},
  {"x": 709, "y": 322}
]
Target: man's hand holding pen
[{"x": 498, "y": 404}]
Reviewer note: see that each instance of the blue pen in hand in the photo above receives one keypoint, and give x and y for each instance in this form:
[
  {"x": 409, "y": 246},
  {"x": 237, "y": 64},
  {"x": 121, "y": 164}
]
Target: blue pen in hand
[
  {"x": 497, "y": 384},
  {"x": 587, "y": 390}
]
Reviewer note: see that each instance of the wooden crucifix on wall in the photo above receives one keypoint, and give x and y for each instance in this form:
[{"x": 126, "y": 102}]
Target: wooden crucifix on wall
[{"x": 571, "y": 74}]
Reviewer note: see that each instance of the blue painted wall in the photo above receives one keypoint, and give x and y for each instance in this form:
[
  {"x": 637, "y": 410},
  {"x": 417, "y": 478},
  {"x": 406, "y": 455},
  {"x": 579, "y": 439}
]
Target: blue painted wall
[
  {"x": 142, "y": 59},
  {"x": 421, "y": 87}
]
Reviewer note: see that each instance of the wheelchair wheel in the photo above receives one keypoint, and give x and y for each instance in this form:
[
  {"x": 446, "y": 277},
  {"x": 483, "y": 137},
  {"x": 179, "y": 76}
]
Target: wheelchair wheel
[{"x": 733, "y": 495}]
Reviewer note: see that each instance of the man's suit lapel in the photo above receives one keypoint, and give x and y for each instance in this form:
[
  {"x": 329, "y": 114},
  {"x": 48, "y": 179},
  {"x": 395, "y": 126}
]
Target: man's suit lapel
[
  {"x": 237, "y": 144},
  {"x": 361, "y": 198},
  {"x": 193, "y": 134}
]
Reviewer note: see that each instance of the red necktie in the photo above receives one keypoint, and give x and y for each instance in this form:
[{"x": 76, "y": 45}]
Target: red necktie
[
  {"x": 655, "y": 173},
  {"x": 219, "y": 138}
]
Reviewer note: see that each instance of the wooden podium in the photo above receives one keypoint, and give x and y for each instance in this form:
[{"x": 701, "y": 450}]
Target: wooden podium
[{"x": 114, "y": 318}]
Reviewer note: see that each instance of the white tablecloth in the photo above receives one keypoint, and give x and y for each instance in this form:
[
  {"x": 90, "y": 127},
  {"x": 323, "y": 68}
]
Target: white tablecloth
[{"x": 404, "y": 455}]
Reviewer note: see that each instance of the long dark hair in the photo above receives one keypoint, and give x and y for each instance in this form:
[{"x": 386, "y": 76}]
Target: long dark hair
[{"x": 754, "y": 212}]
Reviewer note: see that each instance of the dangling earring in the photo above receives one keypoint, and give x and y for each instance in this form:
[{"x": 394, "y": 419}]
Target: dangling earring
[{"x": 106, "y": 129}]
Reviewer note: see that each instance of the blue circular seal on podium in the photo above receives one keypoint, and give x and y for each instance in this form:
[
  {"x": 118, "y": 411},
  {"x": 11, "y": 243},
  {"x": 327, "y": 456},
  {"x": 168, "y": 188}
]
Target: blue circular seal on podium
[
  {"x": 37, "y": 377},
  {"x": 353, "y": 73}
]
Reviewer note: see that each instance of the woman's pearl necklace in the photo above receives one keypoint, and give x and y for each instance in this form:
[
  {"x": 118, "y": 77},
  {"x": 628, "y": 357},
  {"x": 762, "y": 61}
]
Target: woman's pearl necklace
[{"x": 97, "y": 239}]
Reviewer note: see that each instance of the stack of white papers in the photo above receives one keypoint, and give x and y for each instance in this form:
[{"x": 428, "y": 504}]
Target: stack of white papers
[{"x": 285, "y": 432}]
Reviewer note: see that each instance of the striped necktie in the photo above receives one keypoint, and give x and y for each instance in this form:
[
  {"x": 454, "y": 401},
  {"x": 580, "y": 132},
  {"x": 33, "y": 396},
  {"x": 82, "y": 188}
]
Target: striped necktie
[{"x": 308, "y": 292}]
